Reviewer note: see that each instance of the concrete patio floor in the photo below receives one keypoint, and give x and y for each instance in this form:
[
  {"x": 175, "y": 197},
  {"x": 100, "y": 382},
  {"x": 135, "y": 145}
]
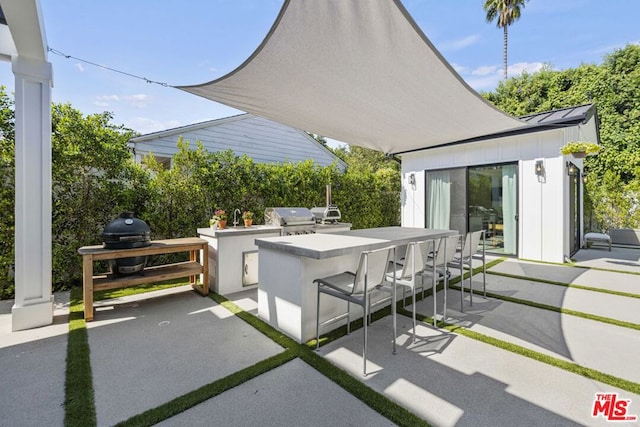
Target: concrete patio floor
[{"x": 149, "y": 349}]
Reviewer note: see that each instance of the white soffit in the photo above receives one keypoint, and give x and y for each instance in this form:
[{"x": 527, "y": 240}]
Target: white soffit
[{"x": 359, "y": 71}]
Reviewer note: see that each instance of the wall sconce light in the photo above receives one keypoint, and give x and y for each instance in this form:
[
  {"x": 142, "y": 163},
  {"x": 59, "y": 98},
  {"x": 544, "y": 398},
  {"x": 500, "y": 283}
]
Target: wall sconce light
[
  {"x": 571, "y": 169},
  {"x": 412, "y": 179},
  {"x": 539, "y": 167},
  {"x": 584, "y": 177}
]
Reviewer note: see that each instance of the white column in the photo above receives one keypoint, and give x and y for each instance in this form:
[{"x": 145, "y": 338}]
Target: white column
[{"x": 33, "y": 302}]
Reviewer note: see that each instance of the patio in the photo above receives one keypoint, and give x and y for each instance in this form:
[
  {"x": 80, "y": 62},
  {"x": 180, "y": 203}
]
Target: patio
[{"x": 512, "y": 359}]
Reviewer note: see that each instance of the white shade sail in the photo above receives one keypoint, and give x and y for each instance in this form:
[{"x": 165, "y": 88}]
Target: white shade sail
[{"x": 359, "y": 71}]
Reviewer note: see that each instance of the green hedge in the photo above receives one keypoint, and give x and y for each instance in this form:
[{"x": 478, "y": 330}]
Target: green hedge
[{"x": 95, "y": 179}]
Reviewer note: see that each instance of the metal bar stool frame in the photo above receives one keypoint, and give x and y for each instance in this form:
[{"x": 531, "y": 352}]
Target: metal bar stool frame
[{"x": 357, "y": 288}]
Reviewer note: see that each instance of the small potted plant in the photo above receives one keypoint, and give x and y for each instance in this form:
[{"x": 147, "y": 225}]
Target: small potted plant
[
  {"x": 579, "y": 149},
  {"x": 219, "y": 217},
  {"x": 247, "y": 216}
]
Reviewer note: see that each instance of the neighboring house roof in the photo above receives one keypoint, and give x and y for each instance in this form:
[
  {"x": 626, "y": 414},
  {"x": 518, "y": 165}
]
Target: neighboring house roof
[
  {"x": 538, "y": 122},
  {"x": 263, "y": 140}
]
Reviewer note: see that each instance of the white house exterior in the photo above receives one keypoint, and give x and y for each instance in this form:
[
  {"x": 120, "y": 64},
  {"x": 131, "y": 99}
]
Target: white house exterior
[
  {"x": 263, "y": 140},
  {"x": 530, "y": 211}
]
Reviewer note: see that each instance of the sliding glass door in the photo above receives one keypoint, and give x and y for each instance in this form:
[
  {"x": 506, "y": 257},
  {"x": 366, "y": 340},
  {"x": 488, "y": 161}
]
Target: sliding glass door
[
  {"x": 493, "y": 205},
  {"x": 476, "y": 198}
]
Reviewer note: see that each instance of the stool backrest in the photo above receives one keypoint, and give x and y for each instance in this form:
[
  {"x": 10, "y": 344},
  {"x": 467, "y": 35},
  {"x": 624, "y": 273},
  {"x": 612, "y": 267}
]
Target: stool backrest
[
  {"x": 471, "y": 243},
  {"x": 447, "y": 249},
  {"x": 416, "y": 258},
  {"x": 372, "y": 269}
]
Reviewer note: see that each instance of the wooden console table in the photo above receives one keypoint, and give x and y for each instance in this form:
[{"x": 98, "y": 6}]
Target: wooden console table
[{"x": 191, "y": 268}]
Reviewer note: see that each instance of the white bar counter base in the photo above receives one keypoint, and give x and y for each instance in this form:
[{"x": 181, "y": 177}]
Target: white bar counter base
[
  {"x": 227, "y": 250},
  {"x": 289, "y": 264}
]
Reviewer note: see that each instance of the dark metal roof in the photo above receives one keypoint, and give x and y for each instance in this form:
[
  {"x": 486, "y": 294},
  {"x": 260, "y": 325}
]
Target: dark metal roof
[
  {"x": 536, "y": 123},
  {"x": 581, "y": 113}
]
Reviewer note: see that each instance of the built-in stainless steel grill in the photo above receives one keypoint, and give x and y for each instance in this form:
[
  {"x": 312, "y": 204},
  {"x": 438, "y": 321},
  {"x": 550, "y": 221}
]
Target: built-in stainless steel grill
[{"x": 292, "y": 220}]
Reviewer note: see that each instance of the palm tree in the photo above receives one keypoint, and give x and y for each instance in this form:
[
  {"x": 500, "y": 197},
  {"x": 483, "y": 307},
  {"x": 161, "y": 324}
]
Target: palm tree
[{"x": 507, "y": 12}]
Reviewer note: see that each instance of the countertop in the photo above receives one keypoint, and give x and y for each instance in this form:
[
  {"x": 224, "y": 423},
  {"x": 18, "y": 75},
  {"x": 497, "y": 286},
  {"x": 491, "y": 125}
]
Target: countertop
[
  {"x": 240, "y": 230},
  {"x": 320, "y": 246}
]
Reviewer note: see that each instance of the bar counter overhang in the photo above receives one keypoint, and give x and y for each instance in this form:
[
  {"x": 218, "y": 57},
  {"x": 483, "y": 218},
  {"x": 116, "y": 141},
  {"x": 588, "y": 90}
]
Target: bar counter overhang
[{"x": 289, "y": 264}]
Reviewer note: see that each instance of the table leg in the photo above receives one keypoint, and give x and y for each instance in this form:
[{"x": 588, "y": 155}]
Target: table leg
[
  {"x": 192, "y": 258},
  {"x": 204, "y": 260},
  {"x": 87, "y": 286},
  {"x": 203, "y": 288}
]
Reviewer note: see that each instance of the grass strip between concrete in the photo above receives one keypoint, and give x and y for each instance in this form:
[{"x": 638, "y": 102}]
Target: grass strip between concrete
[
  {"x": 567, "y": 285},
  {"x": 532, "y": 354},
  {"x": 79, "y": 394},
  {"x": 378, "y": 402},
  {"x": 195, "y": 397},
  {"x": 610, "y": 321},
  {"x": 573, "y": 264},
  {"x": 79, "y": 404},
  {"x": 523, "y": 351}
]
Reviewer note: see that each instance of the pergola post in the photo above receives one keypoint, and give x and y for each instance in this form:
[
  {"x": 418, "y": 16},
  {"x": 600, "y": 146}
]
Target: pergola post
[{"x": 33, "y": 299}]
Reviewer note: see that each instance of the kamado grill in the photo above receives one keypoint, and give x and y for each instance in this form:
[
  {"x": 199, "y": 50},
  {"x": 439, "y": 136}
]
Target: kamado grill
[
  {"x": 127, "y": 232},
  {"x": 292, "y": 220}
]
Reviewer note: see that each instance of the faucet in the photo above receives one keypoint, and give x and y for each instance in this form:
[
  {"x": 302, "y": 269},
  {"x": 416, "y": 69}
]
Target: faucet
[{"x": 235, "y": 221}]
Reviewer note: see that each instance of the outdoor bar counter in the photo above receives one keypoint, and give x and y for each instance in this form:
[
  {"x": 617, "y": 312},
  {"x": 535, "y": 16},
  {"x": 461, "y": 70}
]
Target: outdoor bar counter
[{"x": 289, "y": 264}]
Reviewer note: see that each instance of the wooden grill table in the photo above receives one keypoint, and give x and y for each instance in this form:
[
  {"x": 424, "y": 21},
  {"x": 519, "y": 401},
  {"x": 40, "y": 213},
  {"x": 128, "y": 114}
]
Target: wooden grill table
[{"x": 158, "y": 273}]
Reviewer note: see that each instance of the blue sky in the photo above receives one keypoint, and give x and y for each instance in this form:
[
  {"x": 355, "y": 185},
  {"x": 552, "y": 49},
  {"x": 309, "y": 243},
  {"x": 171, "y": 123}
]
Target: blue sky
[{"x": 191, "y": 42}]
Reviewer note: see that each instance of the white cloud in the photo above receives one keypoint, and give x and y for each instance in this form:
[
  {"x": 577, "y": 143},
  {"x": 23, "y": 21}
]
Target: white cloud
[
  {"x": 146, "y": 125},
  {"x": 459, "y": 43},
  {"x": 105, "y": 100},
  {"x": 485, "y": 70},
  {"x": 484, "y": 83},
  {"x": 108, "y": 97},
  {"x": 79, "y": 67},
  {"x": 521, "y": 67},
  {"x": 487, "y": 77},
  {"x": 139, "y": 100}
]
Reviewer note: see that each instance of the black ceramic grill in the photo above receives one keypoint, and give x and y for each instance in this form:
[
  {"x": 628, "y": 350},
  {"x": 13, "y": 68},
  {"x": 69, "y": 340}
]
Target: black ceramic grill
[{"x": 127, "y": 232}]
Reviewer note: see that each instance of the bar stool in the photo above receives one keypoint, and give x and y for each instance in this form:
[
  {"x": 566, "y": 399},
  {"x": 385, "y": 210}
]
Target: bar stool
[
  {"x": 440, "y": 264},
  {"x": 465, "y": 258},
  {"x": 357, "y": 288},
  {"x": 409, "y": 272}
]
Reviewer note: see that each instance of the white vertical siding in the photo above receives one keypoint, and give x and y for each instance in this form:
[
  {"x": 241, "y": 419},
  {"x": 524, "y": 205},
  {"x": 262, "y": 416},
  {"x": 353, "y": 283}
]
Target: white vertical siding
[{"x": 543, "y": 205}]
